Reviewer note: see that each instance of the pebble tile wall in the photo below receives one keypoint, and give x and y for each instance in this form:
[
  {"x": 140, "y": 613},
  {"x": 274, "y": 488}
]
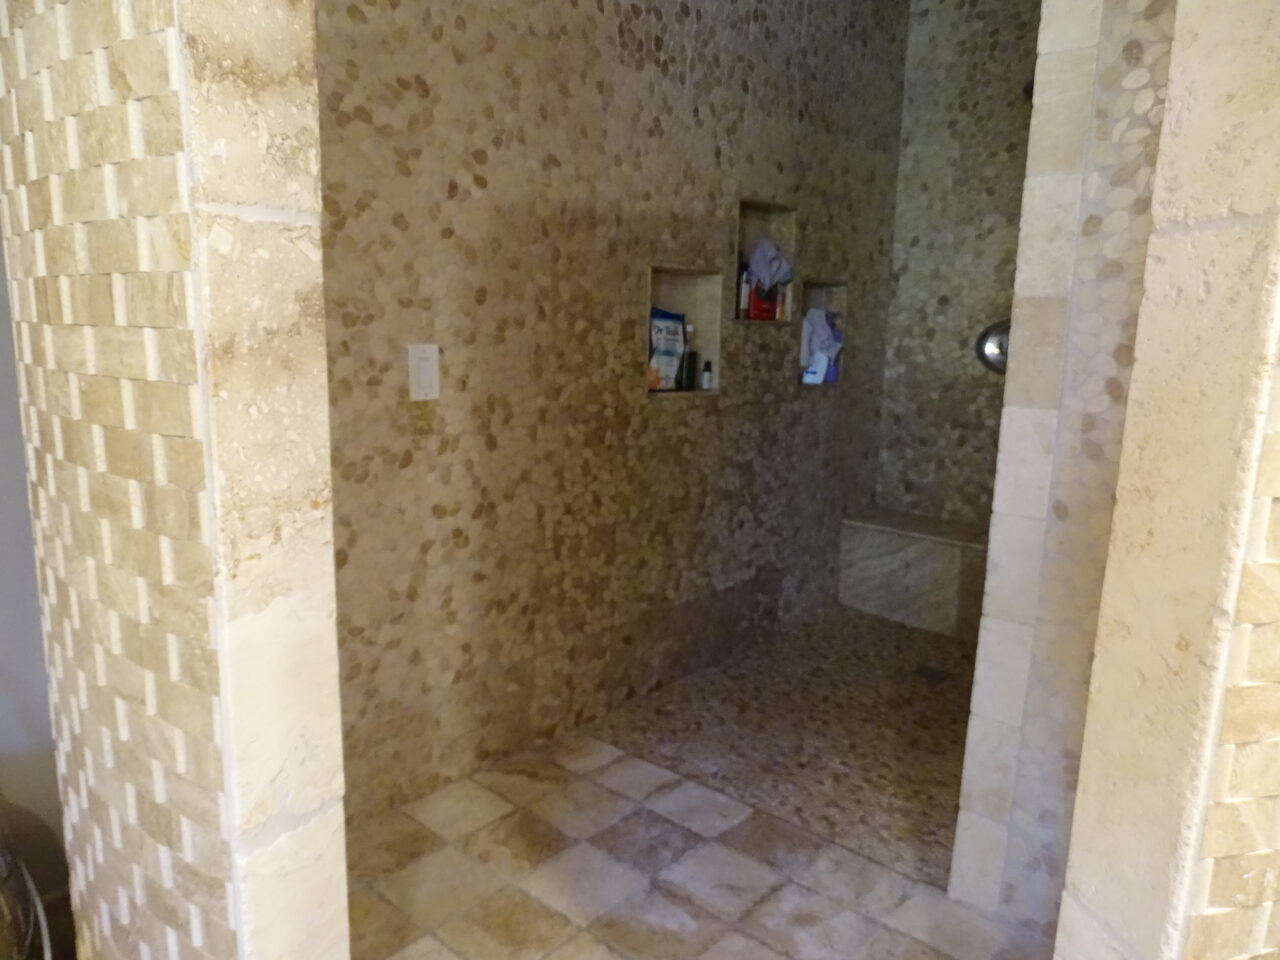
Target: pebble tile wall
[
  {"x": 966, "y": 110},
  {"x": 547, "y": 539},
  {"x": 1100, "y": 88},
  {"x": 165, "y": 291}
]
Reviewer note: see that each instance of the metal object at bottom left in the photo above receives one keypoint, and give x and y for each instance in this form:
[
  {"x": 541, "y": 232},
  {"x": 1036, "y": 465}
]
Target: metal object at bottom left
[{"x": 24, "y": 932}]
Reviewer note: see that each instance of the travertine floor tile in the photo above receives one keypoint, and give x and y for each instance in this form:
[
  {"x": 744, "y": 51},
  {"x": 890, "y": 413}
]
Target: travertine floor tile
[
  {"x": 647, "y": 841},
  {"x": 510, "y": 925},
  {"x": 891, "y": 945},
  {"x": 581, "y": 809},
  {"x": 583, "y": 882},
  {"x": 378, "y": 929},
  {"x": 653, "y": 926},
  {"x": 440, "y": 886},
  {"x": 522, "y": 780},
  {"x": 516, "y": 845},
  {"x": 532, "y": 849},
  {"x": 584, "y": 754},
  {"x": 378, "y": 845},
  {"x": 634, "y": 778},
  {"x": 720, "y": 880},
  {"x": 949, "y": 927},
  {"x": 459, "y": 809},
  {"x": 428, "y": 948},
  {"x": 701, "y": 810},
  {"x": 808, "y": 926},
  {"x": 734, "y": 946},
  {"x": 856, "y": 882},
  {"x": 584, "y": 947},
  {"x": 775, "y": 842}
]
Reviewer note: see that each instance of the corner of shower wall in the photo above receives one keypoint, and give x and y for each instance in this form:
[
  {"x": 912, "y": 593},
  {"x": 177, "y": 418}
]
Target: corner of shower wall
[
  {"x": 1173, "y": 845},
  {"x": 1086, "y": 220},
  {"x": 166, "y": 314}
]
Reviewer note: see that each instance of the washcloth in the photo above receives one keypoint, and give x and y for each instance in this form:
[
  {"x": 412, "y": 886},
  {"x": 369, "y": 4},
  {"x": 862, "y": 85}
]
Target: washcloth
[
  {"x": 767, "y": 266},
  {"x": 817, "y": 337}
]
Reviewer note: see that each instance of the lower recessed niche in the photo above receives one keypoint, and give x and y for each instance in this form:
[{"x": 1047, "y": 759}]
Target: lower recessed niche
[{"x": 698, "y": 296}]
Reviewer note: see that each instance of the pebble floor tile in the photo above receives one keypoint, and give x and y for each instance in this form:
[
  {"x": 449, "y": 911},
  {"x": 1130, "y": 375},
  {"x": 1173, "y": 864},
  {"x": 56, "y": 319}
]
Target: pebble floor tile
[{"x": 634, "y": 844}]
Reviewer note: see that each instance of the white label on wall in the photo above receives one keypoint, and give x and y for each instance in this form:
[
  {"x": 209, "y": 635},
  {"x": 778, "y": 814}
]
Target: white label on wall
[{"x": 424, "y": 371}]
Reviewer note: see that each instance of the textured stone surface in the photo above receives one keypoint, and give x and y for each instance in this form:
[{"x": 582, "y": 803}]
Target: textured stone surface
[
  {"x": 546, "y": 539},
  {"x": 964, "y": 146},
  {"x": 1174, "y": 835},
  {"x": 1082, "y": 259}
]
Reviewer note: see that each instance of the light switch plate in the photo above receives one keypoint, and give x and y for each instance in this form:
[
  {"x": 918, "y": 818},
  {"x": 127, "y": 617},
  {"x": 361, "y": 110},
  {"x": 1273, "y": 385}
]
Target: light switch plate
[{"x": 424, "y": 371}]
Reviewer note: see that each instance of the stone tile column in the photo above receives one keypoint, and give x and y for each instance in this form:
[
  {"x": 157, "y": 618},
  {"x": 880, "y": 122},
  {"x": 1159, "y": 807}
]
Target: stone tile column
[
  {"x": 159, "y": 206},
  {"x": 1172, "y": 850}
]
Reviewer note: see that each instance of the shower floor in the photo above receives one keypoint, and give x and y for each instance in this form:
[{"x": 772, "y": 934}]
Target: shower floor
[
  {"x": 853, "y": 729},
  {"x": 794, "y": 804}
]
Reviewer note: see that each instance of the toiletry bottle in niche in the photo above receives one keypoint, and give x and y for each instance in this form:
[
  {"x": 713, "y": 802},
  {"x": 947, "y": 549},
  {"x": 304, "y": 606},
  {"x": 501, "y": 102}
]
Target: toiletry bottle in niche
[
  {"x": 744, "y": 290},
  {"x": 690, "y": 378},
  {"x": 708, "y": 378}
]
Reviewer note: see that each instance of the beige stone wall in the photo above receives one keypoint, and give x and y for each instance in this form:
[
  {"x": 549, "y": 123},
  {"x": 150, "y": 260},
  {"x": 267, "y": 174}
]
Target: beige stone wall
[
  {"x": 1173, "y": 843},
  {"x": 171, "y": 352},
  {"x": 98, "y": 242},
  {"x": 1095, "y": 132},
  {"x": 546, "y": 539}
]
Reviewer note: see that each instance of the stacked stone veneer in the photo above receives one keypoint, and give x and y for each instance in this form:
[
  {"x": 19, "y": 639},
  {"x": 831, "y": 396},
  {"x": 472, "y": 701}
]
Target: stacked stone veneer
[{"x": 164, "y": 283}]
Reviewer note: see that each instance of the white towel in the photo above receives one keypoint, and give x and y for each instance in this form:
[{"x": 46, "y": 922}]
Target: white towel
[
  {"x": 767, "y": 266},
  {"x": 816, "y": 337}
]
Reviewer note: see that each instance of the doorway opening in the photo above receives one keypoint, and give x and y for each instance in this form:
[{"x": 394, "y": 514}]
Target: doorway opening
[{"x": 645, "y": 655}]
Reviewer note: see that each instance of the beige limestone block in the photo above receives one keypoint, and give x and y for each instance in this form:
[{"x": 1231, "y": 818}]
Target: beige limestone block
[
  {"x": 1263, "y": 662},
  {"x": 1024, "y": 466},
  {"x": 1002, "y": 671},
  {"x": 254, "y": 111},
  {"x": 1218, "y": 154},
  {"x": 1239, "y": 827},
  {"x": 991, "y": 763},
  {"x": 1046, "y": 244},
  {"x": 1069, "y": 24},
  {"x": 1269, "y": 467},
  {"x": 1178, "y": 534},
  {"x": 1081, "y": 938},
  {"x": 978, "y": 859},
  {"x": 1225, "y": 934},
  {"x": 1061, "y": 122},
  {"x": 1245, "y": 880},
  {"x": 1251, "y": 713},
  {"x": 293, "y": 891},
  {"x": 1259, "y": 599},
  {"x": 1014, "y": 558}
]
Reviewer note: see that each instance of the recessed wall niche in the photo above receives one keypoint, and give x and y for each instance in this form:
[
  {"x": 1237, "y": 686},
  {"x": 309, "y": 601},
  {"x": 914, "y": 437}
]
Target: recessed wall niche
[
  {"x": 697, "y": 295},
  {"x": 758, "y": 219},
  {"x": 833, "y": 298}
]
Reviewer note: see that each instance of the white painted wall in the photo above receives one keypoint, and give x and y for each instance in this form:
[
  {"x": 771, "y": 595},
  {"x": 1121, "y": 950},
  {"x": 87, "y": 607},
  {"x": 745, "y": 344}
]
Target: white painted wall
[{"x": 27, "y": 777}]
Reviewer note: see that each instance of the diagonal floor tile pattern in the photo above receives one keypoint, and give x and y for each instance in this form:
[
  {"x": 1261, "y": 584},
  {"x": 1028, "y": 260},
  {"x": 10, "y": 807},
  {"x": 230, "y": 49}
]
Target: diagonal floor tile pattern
[{"x": 583, "y": 852}]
